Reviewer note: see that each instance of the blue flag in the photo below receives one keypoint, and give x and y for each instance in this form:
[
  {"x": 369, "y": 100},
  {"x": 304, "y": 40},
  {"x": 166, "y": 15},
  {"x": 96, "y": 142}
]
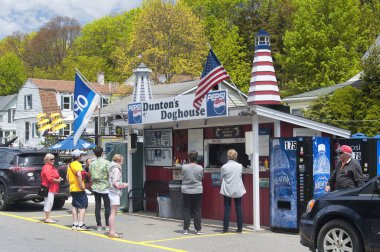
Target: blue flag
[{"x": 85, "y": 102}]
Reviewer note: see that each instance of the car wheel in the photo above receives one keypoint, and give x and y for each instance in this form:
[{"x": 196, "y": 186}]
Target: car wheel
[
  {"x": 4, "y": 205},
  {"x": 58, "y": 203},
  {"x": 339, "y": 235}
]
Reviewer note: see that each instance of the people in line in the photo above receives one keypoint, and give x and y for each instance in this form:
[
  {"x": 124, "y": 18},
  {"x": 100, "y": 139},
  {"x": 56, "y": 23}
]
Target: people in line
[
  {"x": 232, "y": 187},
  {"x": 116, "y": 184},
  {"x": 192, "y": 189},
  {"x": 77, "y": 190},
  {"x": 99, "y": 170},
  {"x": 51, "y": 179},
  {"x": 347, "y": 173}
]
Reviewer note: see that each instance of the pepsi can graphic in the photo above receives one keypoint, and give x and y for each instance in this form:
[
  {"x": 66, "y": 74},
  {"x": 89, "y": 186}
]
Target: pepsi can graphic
[
  {"x": 216, "y": 103},
  {"x": 135, "y": 113}
]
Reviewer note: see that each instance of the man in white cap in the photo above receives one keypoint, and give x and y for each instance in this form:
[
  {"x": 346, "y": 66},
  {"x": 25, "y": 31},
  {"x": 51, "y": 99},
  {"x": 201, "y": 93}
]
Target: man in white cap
[{"x": 77, "y": 190}]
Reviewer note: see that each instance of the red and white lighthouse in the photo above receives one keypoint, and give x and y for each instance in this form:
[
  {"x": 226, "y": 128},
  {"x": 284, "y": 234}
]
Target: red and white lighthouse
[{"x": 263, "y": 88}]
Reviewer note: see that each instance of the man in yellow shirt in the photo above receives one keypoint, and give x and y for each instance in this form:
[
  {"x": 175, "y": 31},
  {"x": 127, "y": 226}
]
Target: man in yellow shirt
[{"x": 77, "y": 190}]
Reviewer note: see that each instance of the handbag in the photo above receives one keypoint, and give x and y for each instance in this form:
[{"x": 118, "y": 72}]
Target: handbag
[{"x": 43, "y": 191}]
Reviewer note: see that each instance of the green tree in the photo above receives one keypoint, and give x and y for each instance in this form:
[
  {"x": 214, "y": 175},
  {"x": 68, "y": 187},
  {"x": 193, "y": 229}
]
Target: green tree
[
  {"x": 371, "y": 73},
  {"x": 324, "y": 45},
  {"x": 170, "y": 39},
  {"x": 345, "y": 108},
  {"x": 218, "y": 18},
  {"x": 12, "y": 74},
  {"x": 103, "y": 39}
]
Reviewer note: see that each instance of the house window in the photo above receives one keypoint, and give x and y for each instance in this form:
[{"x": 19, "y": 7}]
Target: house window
[
  {"x": 27, "y": 131},
  {"x": 105, "y": 101},
  {"x": 28, "y": 102},
  {"x": 11, "y": 115},
  {"x": 66, "y": 102},
  {"x": 66, "y": 131},
  {"x": 35, "y": 132}
]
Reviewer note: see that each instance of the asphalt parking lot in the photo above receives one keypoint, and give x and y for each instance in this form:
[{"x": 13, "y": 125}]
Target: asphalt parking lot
[{"x": 22, "y": 225}]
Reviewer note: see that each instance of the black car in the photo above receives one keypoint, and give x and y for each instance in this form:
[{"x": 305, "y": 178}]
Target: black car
[
  {"x": 345, "y": 220},
  {"x": 20, "y": 177}
]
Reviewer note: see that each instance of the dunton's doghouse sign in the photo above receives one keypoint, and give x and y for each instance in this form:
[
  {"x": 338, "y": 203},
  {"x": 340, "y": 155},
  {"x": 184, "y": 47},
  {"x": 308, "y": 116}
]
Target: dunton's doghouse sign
[{"x": 178, "y": 108}]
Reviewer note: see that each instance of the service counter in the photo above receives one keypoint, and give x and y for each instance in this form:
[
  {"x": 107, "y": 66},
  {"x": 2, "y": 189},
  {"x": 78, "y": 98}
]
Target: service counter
[{"x": 212, "y": 200}]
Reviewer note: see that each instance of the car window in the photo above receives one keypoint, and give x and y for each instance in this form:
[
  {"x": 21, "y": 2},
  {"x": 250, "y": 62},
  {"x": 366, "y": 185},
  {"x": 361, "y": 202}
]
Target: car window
[
  {"x": 8, "y": 158},
  {"x": 26, "y": 160}
]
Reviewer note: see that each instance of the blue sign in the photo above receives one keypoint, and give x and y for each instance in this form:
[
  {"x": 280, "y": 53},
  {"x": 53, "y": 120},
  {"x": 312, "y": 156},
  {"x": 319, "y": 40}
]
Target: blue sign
[
  {"x": 216, "y": 102},
  {"x": 135, "y": 113}
]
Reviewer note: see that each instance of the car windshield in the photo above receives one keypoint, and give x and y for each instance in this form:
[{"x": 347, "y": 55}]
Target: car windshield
[{"x": 32, "y": 160}]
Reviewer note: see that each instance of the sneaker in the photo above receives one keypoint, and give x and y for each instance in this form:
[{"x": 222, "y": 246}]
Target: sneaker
[
  {"x": 224, "y": 231},
  {"x": 186, "y": 232},
  {"x": 83, "y": 228},
  {"x": 199, "y": 232},
  {"x": 98, "y": 228},
  {"x": 239, "y": 231},
  {"x": 106, "y": 229},
  {"x": 74, "y": 227}
]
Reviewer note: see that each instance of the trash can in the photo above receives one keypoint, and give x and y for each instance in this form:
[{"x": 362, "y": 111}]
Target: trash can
[
  {"x": 164, "y": 207},
  {"x": 176, "y": 197}
]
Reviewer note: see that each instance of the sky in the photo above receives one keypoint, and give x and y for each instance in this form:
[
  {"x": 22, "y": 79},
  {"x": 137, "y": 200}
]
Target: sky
[{"x": 30, "y": 15}]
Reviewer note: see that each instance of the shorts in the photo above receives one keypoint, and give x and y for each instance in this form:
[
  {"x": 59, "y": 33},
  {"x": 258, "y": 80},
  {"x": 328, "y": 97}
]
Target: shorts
[
  {"x": 114, "y": 198},
  {"x": 48, "y": 202},
  {"x": 80, "y": 200}
]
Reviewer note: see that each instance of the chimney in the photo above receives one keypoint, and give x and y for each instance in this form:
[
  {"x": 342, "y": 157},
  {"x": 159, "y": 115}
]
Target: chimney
[{"x": 101, "y": 78}]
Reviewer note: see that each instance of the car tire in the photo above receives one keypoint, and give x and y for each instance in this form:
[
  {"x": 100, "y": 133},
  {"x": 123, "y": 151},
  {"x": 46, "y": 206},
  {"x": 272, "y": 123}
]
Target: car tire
[
  {"x": 336, "y": 228},
  {"x": 58, "y": 203},
  {"x": 4, "y": 204}
]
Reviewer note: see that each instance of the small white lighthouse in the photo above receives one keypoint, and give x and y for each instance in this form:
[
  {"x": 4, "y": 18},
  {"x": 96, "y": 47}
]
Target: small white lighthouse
[
  {"x": 263, "y": 88},
  {"x": 142, "y": 90}
]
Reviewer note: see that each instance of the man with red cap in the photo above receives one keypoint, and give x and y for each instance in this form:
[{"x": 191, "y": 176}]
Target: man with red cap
[{"x": 347, "y": 173}]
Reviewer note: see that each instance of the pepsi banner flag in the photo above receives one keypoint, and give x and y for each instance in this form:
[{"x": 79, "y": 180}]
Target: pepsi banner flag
[
  {"x": 216, "y": 103},
  {"x": 85, "y": 102},
  {"x": 213, "y": 73}
]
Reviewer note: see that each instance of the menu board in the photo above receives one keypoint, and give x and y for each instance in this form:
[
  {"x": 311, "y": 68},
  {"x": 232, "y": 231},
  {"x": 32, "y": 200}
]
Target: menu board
[
  {"x": 158, "y": 156},
  {"x": 158, "y": 147},
  {"x": 158, "y": 138}
]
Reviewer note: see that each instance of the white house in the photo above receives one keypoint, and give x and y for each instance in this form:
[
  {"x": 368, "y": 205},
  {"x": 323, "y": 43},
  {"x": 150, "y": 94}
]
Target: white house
[
  {"x": 7, "y": 114},
  {"x": 48, "y": 96}
]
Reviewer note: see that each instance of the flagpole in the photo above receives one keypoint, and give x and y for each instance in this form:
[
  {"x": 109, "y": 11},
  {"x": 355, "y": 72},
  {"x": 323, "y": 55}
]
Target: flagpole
[
  {"x": 100, "y": 100},
  {"x": 245, "y": 102}
]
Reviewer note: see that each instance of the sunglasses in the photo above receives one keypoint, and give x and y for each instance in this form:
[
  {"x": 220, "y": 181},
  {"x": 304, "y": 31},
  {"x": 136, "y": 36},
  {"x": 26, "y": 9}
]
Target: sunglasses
[
  {"x": 340, "y": 153},
  {"x": 52, "y": 159}
]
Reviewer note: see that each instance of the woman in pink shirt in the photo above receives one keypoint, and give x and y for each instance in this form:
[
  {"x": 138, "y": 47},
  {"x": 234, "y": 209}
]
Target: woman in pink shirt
[{"x": 50, "y": 178}]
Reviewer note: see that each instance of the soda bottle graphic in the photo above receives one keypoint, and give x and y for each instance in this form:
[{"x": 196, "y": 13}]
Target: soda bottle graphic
[
  {"x": 281, "y": 172},
  {"x": 321, "y": 171}
]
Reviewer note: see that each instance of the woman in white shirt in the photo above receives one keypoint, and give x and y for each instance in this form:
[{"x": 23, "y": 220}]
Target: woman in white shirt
[{"x": 232, "y": 187}]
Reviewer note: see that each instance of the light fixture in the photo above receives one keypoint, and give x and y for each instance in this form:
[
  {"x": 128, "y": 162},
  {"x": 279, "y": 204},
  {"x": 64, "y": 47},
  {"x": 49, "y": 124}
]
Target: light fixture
[
  {"x": 205, "y": 121},
  {"x": 177, "y": 125},
  {"x": 247, "y": 113}
]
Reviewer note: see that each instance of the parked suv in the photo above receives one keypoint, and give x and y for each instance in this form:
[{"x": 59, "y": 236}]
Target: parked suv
[
  {"x": 20, "y": 177},
  {"x": 345, "y": 220}
]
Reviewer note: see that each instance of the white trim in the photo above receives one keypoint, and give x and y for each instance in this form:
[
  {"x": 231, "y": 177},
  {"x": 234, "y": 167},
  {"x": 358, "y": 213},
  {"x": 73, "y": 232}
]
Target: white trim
[
  {"x": 262, "y": 59},
  {"x": 264, "y": 98},
  {"x": 310, "y": 98},
  {"x": 263, "y": 77},
  {"x": 263, "y": 69},
  {"x": 263, "y": 88},
  {"x": 296, "y": 120}
]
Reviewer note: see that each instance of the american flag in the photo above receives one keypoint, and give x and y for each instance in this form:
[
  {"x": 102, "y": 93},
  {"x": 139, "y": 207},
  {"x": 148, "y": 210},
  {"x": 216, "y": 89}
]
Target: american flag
[{"x": 213, "y": 73}]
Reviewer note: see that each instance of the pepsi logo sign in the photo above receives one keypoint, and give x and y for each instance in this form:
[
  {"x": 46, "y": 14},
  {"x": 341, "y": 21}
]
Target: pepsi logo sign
[
  {"x": 136, "y": 112},
  {"x": 219, "y": 102}
]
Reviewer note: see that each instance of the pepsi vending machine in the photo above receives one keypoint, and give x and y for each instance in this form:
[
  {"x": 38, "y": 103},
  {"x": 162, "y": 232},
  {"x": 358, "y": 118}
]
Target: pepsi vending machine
[
  {"x": 299, "y": 171},
  {"x": 363, "y": 150}
]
